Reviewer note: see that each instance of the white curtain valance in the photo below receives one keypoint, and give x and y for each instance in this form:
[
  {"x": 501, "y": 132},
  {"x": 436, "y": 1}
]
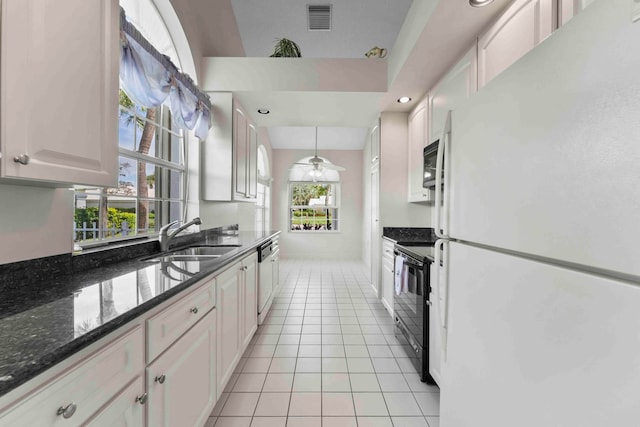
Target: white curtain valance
[{"x": 151, "y": 79}]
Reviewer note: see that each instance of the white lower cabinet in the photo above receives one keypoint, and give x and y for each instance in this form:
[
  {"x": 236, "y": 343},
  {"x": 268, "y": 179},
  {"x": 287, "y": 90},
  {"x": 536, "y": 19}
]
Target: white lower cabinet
[
  {"x": 228, "y": 327},
  {"x": 181, "y": 384},
  {"x": 125, "y": 410},
  {"x": 237, "y": 302},
  {"x": 249, "y": 282},
  {"x": 194, "y": 343},
  {"x": 388, "y": 275}
]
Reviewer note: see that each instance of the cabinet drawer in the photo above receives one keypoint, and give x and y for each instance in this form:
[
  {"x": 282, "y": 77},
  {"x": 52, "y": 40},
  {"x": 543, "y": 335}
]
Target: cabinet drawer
[
  {"x": 165, "y": 327},
  {"x": 86, "y": 387},
  {"x": 387, "y": 250}
]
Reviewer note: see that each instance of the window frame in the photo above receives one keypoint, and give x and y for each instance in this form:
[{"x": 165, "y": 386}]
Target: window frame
[
  {"x": 337, "y": 206},
  {"x": 163, "y": 135}
]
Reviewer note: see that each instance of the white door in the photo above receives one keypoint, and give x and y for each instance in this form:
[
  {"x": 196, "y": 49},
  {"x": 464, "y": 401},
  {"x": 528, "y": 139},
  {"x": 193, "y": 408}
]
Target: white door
[
  {"x": 531, "y": 344},
  {"x": 375, "y": 229},
  {"x": 182, "y": 382}
]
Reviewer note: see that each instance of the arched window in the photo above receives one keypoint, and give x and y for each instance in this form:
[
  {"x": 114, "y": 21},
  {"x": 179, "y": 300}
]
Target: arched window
[
  {"x": 151, "y": 190},
  {"x": 314, "y": 197}
]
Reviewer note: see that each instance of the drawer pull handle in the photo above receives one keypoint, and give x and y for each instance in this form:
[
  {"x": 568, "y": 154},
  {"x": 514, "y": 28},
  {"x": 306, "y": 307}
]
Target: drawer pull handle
[
  {"x": 23, "y": 159},
  {"x": 142, "y": 399},
  {"x": 160, "y": 378},
  {"x": 194, "y": 310},
  {"x": 67, "y": 411},
  {"x": 245, "y": 268}
]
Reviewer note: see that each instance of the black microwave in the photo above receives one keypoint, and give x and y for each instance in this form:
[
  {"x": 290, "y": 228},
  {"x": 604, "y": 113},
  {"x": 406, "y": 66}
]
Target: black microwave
[{"x": 430, "y": 154}]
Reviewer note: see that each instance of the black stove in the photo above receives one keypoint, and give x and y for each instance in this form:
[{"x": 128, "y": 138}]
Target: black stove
[{"x": 411, "y": 304}]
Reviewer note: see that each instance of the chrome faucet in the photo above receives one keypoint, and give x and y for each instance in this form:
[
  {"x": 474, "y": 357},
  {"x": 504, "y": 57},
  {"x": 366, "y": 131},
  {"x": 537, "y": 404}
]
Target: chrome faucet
[{"x": 165, "y": 237}]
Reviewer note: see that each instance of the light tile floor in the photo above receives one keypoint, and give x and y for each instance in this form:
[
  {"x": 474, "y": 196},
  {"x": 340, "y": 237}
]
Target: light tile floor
[{"x": 326, "y": 356}]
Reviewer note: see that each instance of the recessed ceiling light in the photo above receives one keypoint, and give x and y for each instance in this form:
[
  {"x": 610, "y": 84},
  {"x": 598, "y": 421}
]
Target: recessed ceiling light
[
  {"x": 263, "y": 111},
  {"x": 404, "y": 99},
  {"x": 479, "y": 3}
]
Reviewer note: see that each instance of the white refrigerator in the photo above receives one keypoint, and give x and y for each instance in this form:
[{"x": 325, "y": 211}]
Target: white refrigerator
[{"x": 540, "y": 285}]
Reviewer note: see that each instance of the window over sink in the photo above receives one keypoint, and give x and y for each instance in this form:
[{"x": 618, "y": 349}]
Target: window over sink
[{"x": 151, "y": 189}]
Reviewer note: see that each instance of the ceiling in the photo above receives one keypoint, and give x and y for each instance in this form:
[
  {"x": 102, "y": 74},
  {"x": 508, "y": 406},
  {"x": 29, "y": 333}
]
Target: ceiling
[
  {"x": 356, "y": 26},
  {"x": 423, "y": 37},
  {"x": 329, "y": 138}
]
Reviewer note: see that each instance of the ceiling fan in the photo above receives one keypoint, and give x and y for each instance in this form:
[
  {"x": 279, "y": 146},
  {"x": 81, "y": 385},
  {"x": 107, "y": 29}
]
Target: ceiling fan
[{"x": 317, "y": 163}]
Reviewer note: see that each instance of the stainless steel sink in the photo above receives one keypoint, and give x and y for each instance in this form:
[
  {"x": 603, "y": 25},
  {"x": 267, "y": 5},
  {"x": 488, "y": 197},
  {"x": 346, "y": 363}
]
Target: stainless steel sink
[{"x": 194, "y": 253}]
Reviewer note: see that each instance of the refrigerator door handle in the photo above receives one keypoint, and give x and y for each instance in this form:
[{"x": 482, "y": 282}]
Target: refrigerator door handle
[
  {"x": 444, "y": 307},
  {"x": 441, "y": 284},
  {"x": 442, "y": 226}
]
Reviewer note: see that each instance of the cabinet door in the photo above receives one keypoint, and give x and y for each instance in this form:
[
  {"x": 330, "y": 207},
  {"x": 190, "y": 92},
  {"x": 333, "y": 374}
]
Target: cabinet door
[
  {"x": 240, "y": 151},
  {"x": 388, "y": 284},
  {"x": 522, "y": 27},
  {"x": 125, "y": 410},
  {"x": 228, "y": 337},
  {"x": 453, "y": 90},
  {"x": 252, "y": 163},
  {"x": 181, "y": 383},
  {"x": 84, "y": 389},
  {"x": 418, "y": 132},
  {"x": 250, "y": 298},
  {"x": 165, "y": 327},
  {"x": 59, "y": 106}
]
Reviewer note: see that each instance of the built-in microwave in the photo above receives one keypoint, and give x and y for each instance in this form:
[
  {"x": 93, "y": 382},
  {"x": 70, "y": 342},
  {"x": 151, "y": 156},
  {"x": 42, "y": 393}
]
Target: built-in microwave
[{"x": 430, "y": 154}]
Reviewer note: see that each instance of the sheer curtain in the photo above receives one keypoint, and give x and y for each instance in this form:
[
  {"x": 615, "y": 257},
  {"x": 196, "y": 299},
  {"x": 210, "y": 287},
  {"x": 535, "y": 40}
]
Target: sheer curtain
[{"x": 151, "y": 79}]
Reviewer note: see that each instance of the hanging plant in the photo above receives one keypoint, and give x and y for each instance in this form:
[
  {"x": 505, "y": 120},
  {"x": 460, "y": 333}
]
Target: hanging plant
[{"x": 285, "y": 48}]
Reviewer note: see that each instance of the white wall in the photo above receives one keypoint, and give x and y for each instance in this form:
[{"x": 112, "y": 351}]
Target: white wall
[
  {"x": 34, "y": 222},
  {"x": 345, "y": 244}
]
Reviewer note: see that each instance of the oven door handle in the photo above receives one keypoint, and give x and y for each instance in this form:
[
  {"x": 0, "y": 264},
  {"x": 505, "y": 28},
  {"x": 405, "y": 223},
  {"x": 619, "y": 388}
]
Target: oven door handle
[{"x": 408, "y": 261}]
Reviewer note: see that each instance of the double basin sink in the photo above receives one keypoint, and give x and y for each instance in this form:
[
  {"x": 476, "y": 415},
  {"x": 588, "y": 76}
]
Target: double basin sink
[{"x": 193, "y": 253}]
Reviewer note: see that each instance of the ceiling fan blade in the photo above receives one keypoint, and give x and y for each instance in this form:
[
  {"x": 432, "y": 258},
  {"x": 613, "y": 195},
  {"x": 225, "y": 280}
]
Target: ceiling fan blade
[{"x": 333, "y": 167}]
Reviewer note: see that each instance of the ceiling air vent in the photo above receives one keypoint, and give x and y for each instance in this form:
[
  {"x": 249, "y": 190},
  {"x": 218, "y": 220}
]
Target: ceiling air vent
[{"x": 319, "y": 17}]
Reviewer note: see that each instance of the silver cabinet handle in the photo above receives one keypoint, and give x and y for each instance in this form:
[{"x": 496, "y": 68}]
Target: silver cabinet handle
[
  {"x": 142, "y": 399},
  {"x": 194, "y": 310},
  {"x": 160, "y": 378},
  {"x": 67, "y": 411},
  {"x": 23, "y": 159},
  {"x": 429, "y": 303},
  {"x": 245, "y": 268}
]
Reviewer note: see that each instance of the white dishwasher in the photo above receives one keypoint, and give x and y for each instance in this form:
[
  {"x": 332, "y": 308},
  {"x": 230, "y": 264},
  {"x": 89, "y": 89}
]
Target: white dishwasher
[{"x": 265, "y": 276}]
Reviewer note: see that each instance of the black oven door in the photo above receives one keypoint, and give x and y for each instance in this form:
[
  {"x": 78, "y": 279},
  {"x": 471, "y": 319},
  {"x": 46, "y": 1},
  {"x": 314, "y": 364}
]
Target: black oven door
[{"x": 409, "y": 305}]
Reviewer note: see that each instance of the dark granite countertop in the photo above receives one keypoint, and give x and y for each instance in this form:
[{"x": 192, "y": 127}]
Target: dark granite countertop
[
  {"x": 52, "y": 308},
  {"x": 410, "y": 236}
]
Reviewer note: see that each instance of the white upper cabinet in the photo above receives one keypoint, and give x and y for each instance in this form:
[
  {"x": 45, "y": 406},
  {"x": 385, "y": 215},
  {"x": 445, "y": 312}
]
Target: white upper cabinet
[
  {"x": 418, "y": 124},
  {"x": 229, "y": 159},
  {"x": 453, "y": 89},
  {"x": 59, "y": 91},
  {"x": 522, "y": 27}
]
